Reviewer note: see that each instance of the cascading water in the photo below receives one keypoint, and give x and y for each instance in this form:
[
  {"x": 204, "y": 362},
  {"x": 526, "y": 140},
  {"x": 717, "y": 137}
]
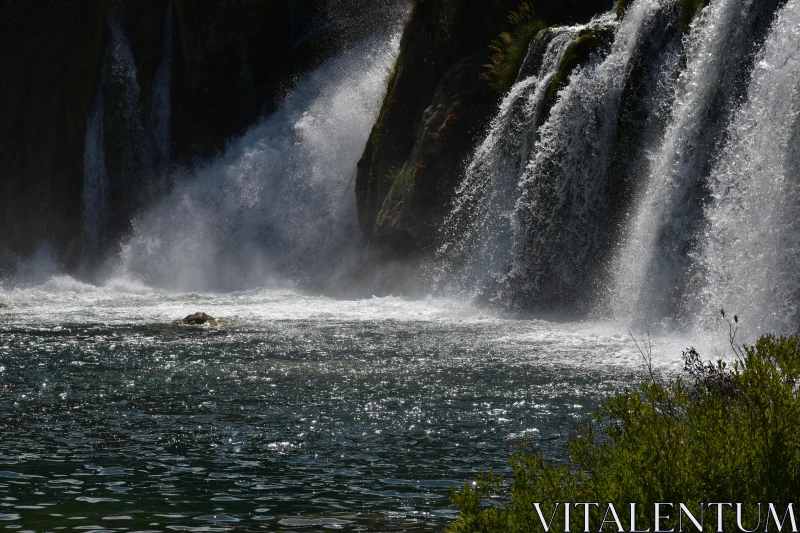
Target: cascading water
[
  {"x": 127, "y": 135},
  {"x": 127, "y": 148},
  {"x": 538, "y": 237},
  {"x": 653, "y": 279},
  {"x": 479, "y": 233},
  {"x": 564, "y": 215},
  {"x": 634, "y": 197},
  {"x": 750, "y": 252},
  {"x": 160, "y": 112},
  {"x": 95, "y": 180},
  {"x": 279, "y": 205}
]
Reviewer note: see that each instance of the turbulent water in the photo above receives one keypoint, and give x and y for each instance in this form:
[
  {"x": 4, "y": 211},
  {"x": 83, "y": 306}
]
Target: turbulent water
[
  {"x": 279, "y": 205},
  {"x": 751, "y": 244},
  {"x": 656, "y": 186},
  {"x": 302, "y": 412}
]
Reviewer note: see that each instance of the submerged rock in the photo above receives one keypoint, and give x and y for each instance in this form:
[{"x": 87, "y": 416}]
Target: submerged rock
[{"x": 196, "y": 319}]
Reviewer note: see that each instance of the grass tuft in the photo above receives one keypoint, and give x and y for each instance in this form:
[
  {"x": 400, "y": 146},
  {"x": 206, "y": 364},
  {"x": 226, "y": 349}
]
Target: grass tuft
[{"x": 510, "y": 49}]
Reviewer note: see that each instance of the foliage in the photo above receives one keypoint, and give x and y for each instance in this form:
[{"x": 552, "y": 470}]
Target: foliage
[
  {"x": 720, "y": 433},
  {"x": 511, "y": 48},
  {"x": 402, "y": 180}
]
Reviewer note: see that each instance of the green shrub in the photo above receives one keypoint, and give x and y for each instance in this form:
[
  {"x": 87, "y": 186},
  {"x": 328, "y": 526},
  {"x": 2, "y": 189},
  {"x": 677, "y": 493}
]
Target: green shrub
[
  {"x": 510, "y": 49},
  {"x": 720, "y": 433}
]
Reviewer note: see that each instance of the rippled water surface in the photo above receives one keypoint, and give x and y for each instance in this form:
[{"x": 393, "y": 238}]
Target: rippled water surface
[{"x": 306, "y": 413}]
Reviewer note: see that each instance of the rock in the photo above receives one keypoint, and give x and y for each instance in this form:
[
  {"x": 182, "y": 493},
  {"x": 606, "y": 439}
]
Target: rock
[
  {"x": 4, "y": 306},
  {"x": 196, "y": 319}
]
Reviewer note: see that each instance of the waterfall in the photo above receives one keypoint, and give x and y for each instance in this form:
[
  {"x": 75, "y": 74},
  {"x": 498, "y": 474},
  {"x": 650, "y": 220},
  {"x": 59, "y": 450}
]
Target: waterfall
[
  {"x": 535, "y": 211},
  {"x": 566, "y": 190},
  {"x": 128, "y": 146},
  {"x": 478, "y": 231},
  {"x": 750, "y": 252},
  {"x": 661, "y": 184},
  {"x": 653, "y": 278},
  {"x": 130, "y": 138},
  {"x": 653, "y": 181},
  {"x": 278, "y": 206},
  {"x": 160, "y": 112},
  {"x": 95, "y": 178}
]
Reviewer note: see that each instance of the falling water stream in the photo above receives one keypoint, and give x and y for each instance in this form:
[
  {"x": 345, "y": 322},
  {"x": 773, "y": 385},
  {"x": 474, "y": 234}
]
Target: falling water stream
[{"x": 656, "y": 186}]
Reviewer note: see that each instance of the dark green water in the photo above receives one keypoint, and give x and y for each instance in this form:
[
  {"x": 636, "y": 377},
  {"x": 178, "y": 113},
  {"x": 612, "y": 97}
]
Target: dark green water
[{"x": 307, "y": 414}]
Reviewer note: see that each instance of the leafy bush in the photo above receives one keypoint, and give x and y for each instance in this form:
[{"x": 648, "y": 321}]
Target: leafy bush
[
  {"x": 720, "y": 433},
  {"x": 511, "y": 48}
]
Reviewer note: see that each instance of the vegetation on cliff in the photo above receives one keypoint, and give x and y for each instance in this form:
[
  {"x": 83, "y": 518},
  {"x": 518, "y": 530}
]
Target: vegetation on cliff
[
  {"x": 509, "y": 50},
  {"x": 721, "y": 433}
]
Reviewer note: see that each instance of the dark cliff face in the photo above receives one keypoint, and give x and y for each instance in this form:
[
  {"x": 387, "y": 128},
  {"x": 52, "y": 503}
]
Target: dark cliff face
[
  {"x": 437, "y": 106},
  {"x": 50, "y": 53},
  {"x": 225, "y": 54}
]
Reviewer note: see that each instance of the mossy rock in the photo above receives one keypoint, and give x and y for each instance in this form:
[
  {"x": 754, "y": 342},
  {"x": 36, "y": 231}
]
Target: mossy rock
[
  {"x": 576, "y": 54},
  {"x": 622, "y": 7},
  {"x": 196, "y": 319}
]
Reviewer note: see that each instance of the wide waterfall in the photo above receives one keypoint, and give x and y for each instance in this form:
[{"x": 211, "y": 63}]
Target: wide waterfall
[
  {"x": 654, "y": 277},
  {"x": 657, "y": 188},
  {"x": 278, "y": 206}
]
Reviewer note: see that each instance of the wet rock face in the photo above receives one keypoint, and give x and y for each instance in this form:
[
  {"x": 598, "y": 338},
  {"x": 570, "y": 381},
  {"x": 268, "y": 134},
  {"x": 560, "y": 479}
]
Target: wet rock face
[
  {"x": 50, "y": 56},
  {"x": 226, "y": 53},
  {"x": 437, "y": 105}
]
